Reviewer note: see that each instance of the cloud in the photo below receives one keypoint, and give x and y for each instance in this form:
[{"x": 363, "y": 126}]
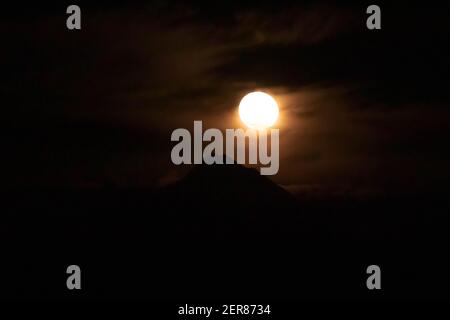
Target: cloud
[{"x": 351, "y": 104}]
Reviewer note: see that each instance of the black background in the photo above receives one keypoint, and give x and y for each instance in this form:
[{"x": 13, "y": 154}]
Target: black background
[{"x": 218, "y": 234}]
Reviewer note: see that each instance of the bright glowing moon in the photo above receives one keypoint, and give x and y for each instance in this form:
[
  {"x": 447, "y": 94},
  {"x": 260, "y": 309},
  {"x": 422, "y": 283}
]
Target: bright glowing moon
[{"x": 258, "y": 110}]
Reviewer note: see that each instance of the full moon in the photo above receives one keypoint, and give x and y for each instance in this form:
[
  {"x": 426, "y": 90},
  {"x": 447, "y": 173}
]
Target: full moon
[{"x": 258, "y": 110}]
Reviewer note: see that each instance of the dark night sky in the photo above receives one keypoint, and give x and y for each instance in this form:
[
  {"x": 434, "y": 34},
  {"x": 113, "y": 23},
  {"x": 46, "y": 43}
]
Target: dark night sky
[{"x": 362, "y": 112}]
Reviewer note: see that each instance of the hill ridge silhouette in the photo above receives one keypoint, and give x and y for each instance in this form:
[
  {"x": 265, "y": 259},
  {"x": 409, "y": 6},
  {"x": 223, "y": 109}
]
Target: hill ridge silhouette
[{"x": 232, "y": 184}]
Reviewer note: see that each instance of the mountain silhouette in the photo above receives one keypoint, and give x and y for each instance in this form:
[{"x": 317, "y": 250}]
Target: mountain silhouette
[
  {"x": 231, "y": 185},
  {"x": 222, "y": 231}
]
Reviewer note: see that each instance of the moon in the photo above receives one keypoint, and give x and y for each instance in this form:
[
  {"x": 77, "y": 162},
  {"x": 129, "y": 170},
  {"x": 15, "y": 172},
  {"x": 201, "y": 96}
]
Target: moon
[{"x": 258, "y": 110}]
